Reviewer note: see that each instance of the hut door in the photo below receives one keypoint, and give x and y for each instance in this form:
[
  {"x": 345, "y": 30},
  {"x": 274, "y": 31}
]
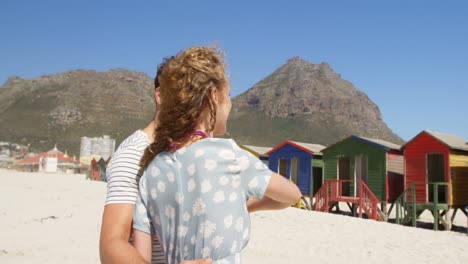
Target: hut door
[
  {"x": 344, "y": 168},
  {"x": 316, "y": 179},
  {"x": 294, "y": 171},
  {"x": 282, "y": 167},
  {"x": 436, "y": 173},
  {"x": 360, "y": 171}
]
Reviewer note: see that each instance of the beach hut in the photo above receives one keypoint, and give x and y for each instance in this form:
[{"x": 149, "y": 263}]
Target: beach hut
[
  {"x": 258, "y": 152},
  {"x": 357, "y": 164},
  {"x": 299, "y": 162},
  {"x": 436, "y": 177}
]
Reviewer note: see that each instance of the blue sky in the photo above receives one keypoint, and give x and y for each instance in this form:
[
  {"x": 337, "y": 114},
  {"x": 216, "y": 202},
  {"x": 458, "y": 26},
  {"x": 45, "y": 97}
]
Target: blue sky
[{"x": 409, "y": 57}]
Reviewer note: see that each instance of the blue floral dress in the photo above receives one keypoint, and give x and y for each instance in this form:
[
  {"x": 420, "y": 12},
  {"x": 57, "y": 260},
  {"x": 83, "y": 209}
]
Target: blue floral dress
[{"x": 194, "y": 200}]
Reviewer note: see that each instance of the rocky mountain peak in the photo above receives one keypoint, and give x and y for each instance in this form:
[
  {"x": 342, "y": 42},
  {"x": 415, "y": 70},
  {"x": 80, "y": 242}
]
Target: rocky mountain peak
[{"x": 302, "y": 90}]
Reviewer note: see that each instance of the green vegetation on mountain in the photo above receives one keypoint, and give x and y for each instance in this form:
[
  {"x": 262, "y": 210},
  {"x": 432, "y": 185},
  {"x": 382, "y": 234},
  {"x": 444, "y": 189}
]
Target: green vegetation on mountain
[{"x": 299, "y": 101}]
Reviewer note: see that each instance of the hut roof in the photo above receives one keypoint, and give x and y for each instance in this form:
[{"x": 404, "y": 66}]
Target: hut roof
[
  {"x": 454, "y": 142},
  {"x": 383, "y": 143},
  {"x": 451, "y": 141},
  {"x": 316, "y": 148},
  {"x": 259, "y": 150},
  {"x": 310, "y": 148},
  {"x": 378, "y": 142}
]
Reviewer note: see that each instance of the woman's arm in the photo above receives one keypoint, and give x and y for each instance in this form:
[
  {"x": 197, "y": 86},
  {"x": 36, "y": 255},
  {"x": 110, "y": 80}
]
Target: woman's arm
[
  {"x": 265, "y": 203},
  {"x": 143, "y": 243},
  {"x": 280, "y": 193}
]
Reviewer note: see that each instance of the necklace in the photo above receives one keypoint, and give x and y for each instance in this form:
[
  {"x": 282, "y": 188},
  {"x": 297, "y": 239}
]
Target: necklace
[{"x": 176, "y": 145}]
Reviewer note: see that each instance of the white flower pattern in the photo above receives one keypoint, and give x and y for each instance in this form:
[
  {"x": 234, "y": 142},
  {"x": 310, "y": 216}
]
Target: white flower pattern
[
  {"x": 259, "y": 165},
  {"x": 210, "y": 164},
  {"x": 218, "y": 197},
  {"x": 244, "y": 163},
  {"x": 223, "y": 181},
  {"x": 233, "y": 197},
  {"x": 228, "y": 221},
  {"x": 234, "y": 246},
  {"x": 170, "y": 212},
  {"x": 161, "y": 186},
  {"x": 155, "y": 171},
  {"x": 182, "y": 231},
  {"x": 253, "y": 183},
  {"x": 154, "y": 194},
  {"x": 239, "y": 224},
  {"x": 179, "y": 197},
  {"x": 205, "y": 186},
  {"x": 194, "y": 200},
  {"x": 191, "y": 185},
  {"x": 227, "y": 154},
  {"x": 235, "y": 182},
  {"x": 186, "y": 216},
  {"x": 191, "y": 169},
  {"x": 198, "y": 207},
  {"x": 199, "y": 153},
  {"x": 207, "y": 228},
  {"x": 217, "y": 241},
  {"x": 170, "y": 176}
]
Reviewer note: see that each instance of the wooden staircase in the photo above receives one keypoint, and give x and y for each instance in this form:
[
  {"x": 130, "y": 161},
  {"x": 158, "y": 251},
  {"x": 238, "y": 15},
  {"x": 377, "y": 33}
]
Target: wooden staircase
[{"x": 331, "y": 193}]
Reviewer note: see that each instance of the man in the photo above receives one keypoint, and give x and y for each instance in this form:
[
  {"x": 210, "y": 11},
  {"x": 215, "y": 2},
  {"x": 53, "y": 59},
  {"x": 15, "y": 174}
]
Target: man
[{"x": 122, "y": 192}]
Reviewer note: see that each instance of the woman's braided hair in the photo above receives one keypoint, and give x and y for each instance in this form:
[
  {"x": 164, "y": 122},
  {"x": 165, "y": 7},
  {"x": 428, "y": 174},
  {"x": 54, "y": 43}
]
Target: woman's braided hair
[{"x": 187, "y": 81}]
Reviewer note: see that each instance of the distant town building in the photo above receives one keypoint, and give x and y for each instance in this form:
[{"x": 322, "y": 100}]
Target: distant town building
[
  {"x": 96, "y": 148},
  {"x": 4, "y": 155},
  {"x": 10, "y": 153},
  {"x": 53, "y": 160}
]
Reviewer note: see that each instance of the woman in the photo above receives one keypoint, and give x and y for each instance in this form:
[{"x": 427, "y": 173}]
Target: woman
[{"x": 194, "y": 192}]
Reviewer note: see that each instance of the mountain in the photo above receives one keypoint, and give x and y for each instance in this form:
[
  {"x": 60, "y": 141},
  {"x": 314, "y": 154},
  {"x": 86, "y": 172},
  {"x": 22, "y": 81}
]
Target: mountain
[
  {"x": 305, "y": 102},
  {"x": 299, "y": 101},
  {"x": 63, "y": 107}
]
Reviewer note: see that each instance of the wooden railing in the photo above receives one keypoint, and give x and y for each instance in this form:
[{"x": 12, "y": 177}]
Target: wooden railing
[
  {"x": 405, "y": 209},
  {"x": 367, "y": 202},
  {"x": 332, "y": 192},
  {"x": 321, "y": 199},
  {"x": 405, "y": 204}
]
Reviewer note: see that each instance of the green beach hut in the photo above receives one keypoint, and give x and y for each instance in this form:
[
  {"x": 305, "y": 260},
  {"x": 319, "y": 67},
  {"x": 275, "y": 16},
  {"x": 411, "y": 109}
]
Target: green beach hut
[{"x": 362, "y": 172}]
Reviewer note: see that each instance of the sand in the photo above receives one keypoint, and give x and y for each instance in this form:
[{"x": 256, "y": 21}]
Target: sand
[{"x": 55, "y": 218}]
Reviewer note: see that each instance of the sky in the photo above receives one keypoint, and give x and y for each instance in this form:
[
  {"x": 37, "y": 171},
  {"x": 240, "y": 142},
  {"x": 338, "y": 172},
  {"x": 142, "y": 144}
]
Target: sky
[{"x": 409, "y": 57}]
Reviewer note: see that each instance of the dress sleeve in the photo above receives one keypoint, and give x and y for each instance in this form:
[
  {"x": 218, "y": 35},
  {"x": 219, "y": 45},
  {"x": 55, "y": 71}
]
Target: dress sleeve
[
  {"x": 141, "y": 216},
  {"x": 255, "y": 175}
]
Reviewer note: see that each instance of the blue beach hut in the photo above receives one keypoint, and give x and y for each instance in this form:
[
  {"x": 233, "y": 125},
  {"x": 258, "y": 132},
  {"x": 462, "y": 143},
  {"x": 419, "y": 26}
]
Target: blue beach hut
[{"x": 299, "y": 162}]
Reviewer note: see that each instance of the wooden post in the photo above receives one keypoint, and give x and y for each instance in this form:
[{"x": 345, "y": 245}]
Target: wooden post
[
  {"x": 448, "y": 220},
  {"x": 436, "y": 202},
  {"x": 326, "y": 198},
  {"x": 360, "y": 200},
  {"x": 384, "y": 210},
  {"x": 397, "y": 208},
  {"x": 454, "y": 214},
  {"x": 413, "y": 198}
]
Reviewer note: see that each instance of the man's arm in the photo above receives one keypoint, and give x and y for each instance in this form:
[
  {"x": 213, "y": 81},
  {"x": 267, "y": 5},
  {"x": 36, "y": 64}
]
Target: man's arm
[
  {"x": 143, "y": 244},
  {"x": 116, "y": 228}
]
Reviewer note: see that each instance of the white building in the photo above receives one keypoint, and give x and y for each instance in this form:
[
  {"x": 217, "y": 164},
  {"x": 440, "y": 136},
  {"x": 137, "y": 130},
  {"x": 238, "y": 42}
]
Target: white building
[{"x": 96, "y": 148}]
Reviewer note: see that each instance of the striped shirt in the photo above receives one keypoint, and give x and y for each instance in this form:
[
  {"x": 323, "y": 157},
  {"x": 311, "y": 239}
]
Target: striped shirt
[{"x": 123, "y": 177}]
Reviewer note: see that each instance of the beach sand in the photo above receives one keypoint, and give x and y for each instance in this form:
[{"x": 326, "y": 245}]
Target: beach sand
[{"x": 55, "y": 218}]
